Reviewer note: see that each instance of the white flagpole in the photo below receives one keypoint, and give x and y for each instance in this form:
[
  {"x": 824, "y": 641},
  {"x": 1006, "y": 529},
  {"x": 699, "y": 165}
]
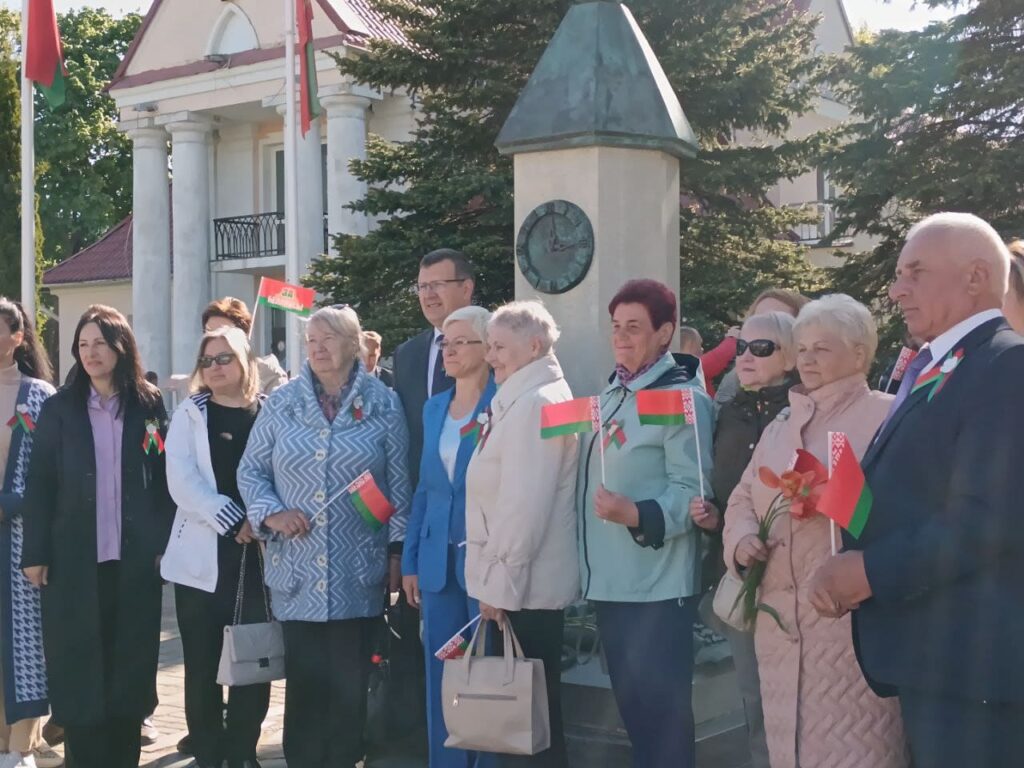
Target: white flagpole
[
  {"x": 291, "y": 188},
  {"x": 28, "y": 180},
  {"x": 831, "y": 522},
  {"x": 696, "y": 437}
]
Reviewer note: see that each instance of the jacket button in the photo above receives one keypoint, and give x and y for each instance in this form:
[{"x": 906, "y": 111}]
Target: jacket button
[
  {"x": 321, "y": 519},
  {"x": 751, "y": 446},
  {"x": 321, "y": 455},
  {"x": 319, "y": 496},
  {"x": 275, "y": 560},
  {"x": 321, "y": 586},
  {"x": 325, "y": 433},
  {"x": 322, "y": 561}
]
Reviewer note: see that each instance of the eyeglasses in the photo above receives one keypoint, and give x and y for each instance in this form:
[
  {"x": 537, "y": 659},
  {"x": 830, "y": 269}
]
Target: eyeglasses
[
  {"x": 436, "y": 285},
  {"x": 456, "y": 343},
  {"x": 757, "y": 347},
  {"x": 225, "y": 358}
]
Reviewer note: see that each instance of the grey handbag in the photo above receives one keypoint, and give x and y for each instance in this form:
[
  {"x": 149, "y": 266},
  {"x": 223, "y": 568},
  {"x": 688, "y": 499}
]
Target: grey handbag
[
  {"x": 252, "y": 653},
  {"x": 496, "y": 703}
]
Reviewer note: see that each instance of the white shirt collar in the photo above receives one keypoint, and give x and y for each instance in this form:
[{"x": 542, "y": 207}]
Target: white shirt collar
[
  {"x": 437, "y": 335},
  {"x": 943, "y": 343}
]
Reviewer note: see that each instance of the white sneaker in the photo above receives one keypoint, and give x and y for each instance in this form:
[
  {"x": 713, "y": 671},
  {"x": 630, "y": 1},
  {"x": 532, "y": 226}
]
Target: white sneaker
[{"x": 47, "y": 758}]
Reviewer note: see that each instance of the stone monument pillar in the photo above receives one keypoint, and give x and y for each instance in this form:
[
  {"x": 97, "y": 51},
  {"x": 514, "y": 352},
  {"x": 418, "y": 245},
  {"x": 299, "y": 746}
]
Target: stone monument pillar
[{"x": 596, "y": 134}]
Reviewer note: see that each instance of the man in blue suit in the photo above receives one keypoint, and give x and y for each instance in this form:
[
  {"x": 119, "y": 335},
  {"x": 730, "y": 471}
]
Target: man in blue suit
[{"x": 935, "y": 579}]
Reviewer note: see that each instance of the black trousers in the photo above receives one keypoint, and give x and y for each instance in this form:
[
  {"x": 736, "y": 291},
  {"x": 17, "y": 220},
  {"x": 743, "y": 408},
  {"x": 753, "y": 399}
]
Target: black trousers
[
  {"x": 216, "y": 735},
  {"x": 649, "y": 648},
  {"x": 948, "y": 732},
  {"x": 540, "y": 634},
  {"x": 115, "y": 742},
  {"x": 327, "y": 666}
]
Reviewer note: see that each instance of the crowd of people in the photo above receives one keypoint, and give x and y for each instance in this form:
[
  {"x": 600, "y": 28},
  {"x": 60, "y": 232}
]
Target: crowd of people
[{"x": 888, "y": 649}]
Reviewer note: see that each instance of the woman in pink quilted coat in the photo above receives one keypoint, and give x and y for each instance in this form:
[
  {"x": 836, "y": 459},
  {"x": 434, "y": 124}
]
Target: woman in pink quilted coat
[{"x": 818, "y": 709}]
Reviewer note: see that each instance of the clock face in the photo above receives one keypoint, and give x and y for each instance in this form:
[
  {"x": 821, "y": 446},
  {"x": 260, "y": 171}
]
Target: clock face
[{"x": 555, "y": 246}]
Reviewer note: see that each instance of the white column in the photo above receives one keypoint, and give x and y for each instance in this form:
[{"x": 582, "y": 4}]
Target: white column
[
  {"x": 346, "y": 141},
  {"x": 310, "y": 172},
  {"x": 190, "y": 161},
  {"x": 151, "y": 248}
]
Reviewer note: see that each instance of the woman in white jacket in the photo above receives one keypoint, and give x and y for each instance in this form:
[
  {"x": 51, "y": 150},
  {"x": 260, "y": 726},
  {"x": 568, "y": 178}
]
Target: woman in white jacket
[{"x": 213, "y": 557}]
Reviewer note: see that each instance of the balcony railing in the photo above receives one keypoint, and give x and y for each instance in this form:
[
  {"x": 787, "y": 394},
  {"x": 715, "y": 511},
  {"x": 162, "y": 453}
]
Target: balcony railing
[
  {"x": 813, "y": 232},
  {"x": 253, "y": 236}
]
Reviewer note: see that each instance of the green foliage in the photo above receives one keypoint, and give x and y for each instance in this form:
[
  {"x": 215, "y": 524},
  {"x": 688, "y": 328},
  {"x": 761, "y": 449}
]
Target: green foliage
[
  {"x": 10, "y": 168},
  {"x": 83, "y": 163},
  {"x": 736, "y": 65},
  {"x": 939, "y": 129}
]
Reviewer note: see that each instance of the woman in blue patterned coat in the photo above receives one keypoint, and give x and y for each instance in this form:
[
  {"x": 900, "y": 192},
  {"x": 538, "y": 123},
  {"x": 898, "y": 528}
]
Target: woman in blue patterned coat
[
  {"x": 25, "y": 376},
  {"x": 327, "y": 566}
]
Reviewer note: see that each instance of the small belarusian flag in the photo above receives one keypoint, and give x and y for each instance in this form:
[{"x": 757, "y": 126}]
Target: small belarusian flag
[
  {"x": 615, "y": 435},
  {"x": 22, "y": 419},
  {"x": 471, "y": 430},
  {"x": 309, "y": 103},
  {"x": 936, "y": 378},
  {"x": 456, "y": 647},
  {"x": 286, "y": 297},
  {"x": 666, "y": 407},
  {"x": 570, "y": 417},
  {"x": 153, "y": 439},
  {"x": 375, "y": 509},
  {"x": 903, "y": 362},
  {"x": 847, "y": 498},
  {"x": 804, "y": 461},
  {"x": 44, "y": 55}
]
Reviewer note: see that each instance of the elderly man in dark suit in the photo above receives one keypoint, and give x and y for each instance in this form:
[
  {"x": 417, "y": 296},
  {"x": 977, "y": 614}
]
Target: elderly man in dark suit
[
  {"x": 445, "y": 283},
  {"x": 935, "y": 578}
]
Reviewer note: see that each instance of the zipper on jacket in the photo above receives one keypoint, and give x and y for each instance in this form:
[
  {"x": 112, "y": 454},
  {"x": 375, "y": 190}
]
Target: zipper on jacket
[
  {"x": 482, "y": 697},
  {"x": 586, "y": 488}
]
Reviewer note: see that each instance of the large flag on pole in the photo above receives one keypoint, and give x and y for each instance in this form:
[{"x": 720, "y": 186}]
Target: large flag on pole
[
  {"x": 44, "y": 57},
  {"x": 308, "y": 100}
]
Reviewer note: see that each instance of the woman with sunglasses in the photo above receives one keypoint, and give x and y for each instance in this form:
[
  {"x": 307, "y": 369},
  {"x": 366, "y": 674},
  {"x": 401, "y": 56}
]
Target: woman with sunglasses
[
  {"x": 97, "y": 516},
  {"x": 764, "y": 365},
  {"x": 213, "y": 557},
  {"x": 640, "y": 551},
  {"x": 810, "y": 679}
]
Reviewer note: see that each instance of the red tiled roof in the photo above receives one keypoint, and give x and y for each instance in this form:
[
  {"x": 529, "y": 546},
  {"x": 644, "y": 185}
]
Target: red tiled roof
[
  {"x": 109, "y": 258},
  {"x": 371, "y": 19}
]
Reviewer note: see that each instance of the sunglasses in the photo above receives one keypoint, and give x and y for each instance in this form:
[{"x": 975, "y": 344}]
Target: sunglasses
[
  {"x": 225, "y": 358},
  {"x": 757, "y": 347}
]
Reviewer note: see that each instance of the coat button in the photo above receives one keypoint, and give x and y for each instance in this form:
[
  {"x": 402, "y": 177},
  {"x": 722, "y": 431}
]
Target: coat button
[
  {"x": 322, "y": 561},
  {"x": 319, "y": 496},
  {"x": 751, "y": 446},
  {"x": 325, "y": 433},
  {"x": 321, "y": 586},
  {"x": 321, "y": 519},
  {"x": 321, "y": 455},
  {"x": 275, "y": 560}
]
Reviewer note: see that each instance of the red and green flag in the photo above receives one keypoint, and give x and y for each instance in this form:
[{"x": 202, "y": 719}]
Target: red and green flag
[
  {"x": 22, "y": 420},
  {"x": 570, "y": 417},
  {"x": 937, "y": 377},
  {"x": 471, "y": 429},
  {"x": 615, "y": 435},
  {"x": 847, "y": 498},
  {"x": 44, "y": 56},
  {"x": 368, "y": 500},
  {"x": 153, "y": 439},
  {"x": 457, "y": 646},
  {"x": 666, "y": 407},
  {"x": 309, "y": 103},
  {"x": 286, "y": 297}
]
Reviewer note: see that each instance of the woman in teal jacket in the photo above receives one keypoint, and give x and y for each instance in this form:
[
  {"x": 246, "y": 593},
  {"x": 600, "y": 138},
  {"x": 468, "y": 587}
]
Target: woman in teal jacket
[{"x": 640, "y": 551}]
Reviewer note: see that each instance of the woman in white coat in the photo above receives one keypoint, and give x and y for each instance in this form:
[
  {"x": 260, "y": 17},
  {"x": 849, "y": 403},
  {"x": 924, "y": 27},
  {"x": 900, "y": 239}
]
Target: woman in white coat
[
  {"x": 213, "y": 556},
  {"x": 522, "y": 557}
]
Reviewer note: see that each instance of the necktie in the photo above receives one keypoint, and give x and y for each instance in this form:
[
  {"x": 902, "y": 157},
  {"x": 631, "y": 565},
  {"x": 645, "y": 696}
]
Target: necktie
[
  {"x": 918, "y": 364},
  {"x": 441, "y": 381}
]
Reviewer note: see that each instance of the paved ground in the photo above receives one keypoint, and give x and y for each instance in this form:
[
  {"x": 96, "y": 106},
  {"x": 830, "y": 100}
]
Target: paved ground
[{"x": 718, "y": 747}]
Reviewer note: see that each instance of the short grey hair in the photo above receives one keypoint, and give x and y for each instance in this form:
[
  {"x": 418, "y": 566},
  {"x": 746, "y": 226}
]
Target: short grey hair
[
  {"x": 847, "y": 317},
  {"x": 530, "y": 319},
  {"x": 344, "y": 322},
  {"x": 976, "y": 238},
  {"x": 777, "y": 325},
  {"x": 477, "y": 317}
]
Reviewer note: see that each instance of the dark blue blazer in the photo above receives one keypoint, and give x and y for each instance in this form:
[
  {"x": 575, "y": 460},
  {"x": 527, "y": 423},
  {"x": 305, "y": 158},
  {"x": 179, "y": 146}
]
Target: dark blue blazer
[
  {"x": 438, "y": 516},
  {"x": 944, "y": 544}
]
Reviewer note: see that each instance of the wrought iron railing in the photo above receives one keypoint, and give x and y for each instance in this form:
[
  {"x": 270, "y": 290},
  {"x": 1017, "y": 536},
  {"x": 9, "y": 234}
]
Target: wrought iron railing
[
  {"x": 253, "y": 236},
  {"x": 812, "y": 232}
]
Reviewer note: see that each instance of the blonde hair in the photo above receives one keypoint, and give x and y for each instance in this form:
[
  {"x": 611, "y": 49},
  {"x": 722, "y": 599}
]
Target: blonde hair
[
  {"x": 371, "y": 337},
  {"x": 477, "y": 317},
  {"x": 850, "y": 319},
  {"x": 343, "y": 321},
  {"x": 238, "y": 343}
]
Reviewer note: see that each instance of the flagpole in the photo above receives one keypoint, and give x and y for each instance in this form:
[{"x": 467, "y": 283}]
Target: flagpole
[
  {"x": 696, "y": 437},
  {"x": 291, "y": 189},
  {"x": 28, "y": 179},
  {"x": 831, "y": 522}
]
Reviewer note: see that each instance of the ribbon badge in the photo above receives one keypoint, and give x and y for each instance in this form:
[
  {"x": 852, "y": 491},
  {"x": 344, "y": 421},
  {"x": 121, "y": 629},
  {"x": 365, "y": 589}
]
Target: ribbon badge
[
  {"x": 357, "y": 408},
  {"x": 937, "y": 377},
  {"x": 152, "y": 439},
  {"x": 22, "y": 420},
  {"x": 485, "y": 427}
]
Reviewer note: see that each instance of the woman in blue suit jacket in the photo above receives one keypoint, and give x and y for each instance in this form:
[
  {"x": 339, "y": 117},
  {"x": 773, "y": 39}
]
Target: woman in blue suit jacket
[{"x": 433, "y": 563}]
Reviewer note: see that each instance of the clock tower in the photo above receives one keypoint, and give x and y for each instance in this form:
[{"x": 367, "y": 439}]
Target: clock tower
[{"x": 597, "y": 135}]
